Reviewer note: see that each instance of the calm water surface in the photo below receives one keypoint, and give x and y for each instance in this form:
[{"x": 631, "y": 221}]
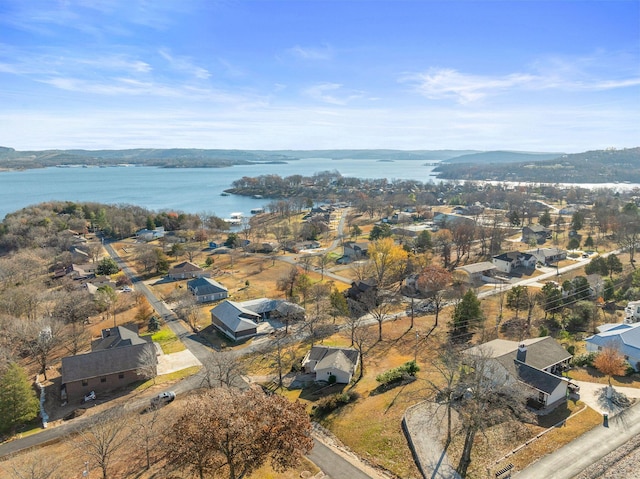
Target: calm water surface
[{"x": 192, "y": 190}]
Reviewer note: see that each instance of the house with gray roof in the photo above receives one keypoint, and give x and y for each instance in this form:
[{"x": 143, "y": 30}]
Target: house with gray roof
[
  {"x": 206, "y": 290},
  {"x": 623, "y": 337},
  {"x": 479, "y": 273},
  {"x": 119, "y": 358},
  {"x": 240, "y": 320},
  {"x": 186, "y": 270},
  {"x": 508, "y": 262},
  {"x": 327, "y": 361},
  {"x": 535, "y": 363},
  {"x": 549, "y": 256},
  {"x": 537, "y": 233}
]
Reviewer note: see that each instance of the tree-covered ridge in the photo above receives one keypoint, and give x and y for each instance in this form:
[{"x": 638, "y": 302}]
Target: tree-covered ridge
[
  {"x": 46, "y": 225},
  {"x": 599, "y": 166},
  {"x": 201, "y": 158}
]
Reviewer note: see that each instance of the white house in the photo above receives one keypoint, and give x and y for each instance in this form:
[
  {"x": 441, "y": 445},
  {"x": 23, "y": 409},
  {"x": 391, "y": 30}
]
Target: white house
[
  {"x": 328, "y": 361},
  {"x": 632, "y": 312},
  {"x": 534, "y": 363},
  {"x": 624, "y": 337},
  {"x": 507, "y": 262}
]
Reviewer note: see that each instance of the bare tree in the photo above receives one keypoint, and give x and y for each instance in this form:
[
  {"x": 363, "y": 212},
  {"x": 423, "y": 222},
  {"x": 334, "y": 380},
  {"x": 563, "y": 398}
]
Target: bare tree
[
  {"x": 483, "y": 399},
  {"x": 434, "y": 282},
  {"x": 39, "y": 338},
  {"x": 146, "y": 431},
  {"x": 363, "y": 339},
  {"x": 103, "y": 439},
  {"x": 323, "y": 261},
  {"x": 33, "y": 465},
  {"x": 222, "y": 370}
]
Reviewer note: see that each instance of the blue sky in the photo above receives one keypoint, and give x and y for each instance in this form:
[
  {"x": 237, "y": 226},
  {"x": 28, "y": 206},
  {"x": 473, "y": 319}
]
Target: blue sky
[{"x": 522, "y": 75}]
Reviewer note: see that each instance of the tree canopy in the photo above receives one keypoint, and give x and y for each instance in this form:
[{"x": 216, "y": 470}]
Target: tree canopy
[{"x": 227, "y": 431}]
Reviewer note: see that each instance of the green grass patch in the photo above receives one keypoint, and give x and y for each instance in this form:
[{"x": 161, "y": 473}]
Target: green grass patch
[{"x": 168, "y": 341}]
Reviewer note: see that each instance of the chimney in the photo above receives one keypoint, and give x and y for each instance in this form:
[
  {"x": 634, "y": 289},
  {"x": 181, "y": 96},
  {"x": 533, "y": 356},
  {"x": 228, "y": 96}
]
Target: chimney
[{"x": 521, "y": 355}]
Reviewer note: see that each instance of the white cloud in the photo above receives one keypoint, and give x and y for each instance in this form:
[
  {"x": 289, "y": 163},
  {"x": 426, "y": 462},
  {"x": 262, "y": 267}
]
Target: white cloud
[
  {"x": 446, "y": 83},
  {"x": 331, "y": 93},
  {"x": 185, "y": 65},
  {"x": 308, "y": 53}
]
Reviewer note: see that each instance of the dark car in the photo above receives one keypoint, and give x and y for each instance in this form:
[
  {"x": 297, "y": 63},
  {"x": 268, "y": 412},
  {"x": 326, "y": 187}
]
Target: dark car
[{"x": 163, "y": 398}]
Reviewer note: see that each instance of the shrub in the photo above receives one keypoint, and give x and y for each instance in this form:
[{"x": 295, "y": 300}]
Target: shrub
[
  {"x": 398, "y": 374},
  {"x": 629, "y": 370},
  {"x": 571, "y": 349},
  {"x": 330, "y": 403},
  {"x": 332, "y": 379},
  {"x": 584, "y": 359}
]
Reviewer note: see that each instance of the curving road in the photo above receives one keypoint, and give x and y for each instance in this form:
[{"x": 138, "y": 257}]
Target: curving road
[{"x": 327, "y": 459}]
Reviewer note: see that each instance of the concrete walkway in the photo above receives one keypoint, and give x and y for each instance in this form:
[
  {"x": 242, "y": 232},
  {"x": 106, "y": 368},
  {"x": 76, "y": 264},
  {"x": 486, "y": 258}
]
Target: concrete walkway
[{"x": 570, "y": 460}]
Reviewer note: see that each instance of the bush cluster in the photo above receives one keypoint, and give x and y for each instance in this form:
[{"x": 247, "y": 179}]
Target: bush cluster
[
  {"x": 398, "y": 374},
  {"x": 330, "y": 403},
  {"x": 584, "y": 359}
]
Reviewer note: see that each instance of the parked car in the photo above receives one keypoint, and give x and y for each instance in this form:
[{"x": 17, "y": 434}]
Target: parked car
[
  {"x": 89, "y": 397},
  {"x": 163, "y": 398},
  {"x": 126, "y": 289}
]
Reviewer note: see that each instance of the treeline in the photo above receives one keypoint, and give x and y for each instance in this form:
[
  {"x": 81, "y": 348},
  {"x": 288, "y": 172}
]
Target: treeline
[
  {"x": 47, "y": 225},
  {"x": 600, "y": 166}
]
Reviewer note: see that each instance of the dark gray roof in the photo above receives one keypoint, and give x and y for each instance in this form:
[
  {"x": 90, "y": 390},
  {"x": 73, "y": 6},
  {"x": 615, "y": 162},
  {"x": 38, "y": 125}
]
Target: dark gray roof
[
  {"x": 542, "y": 352},
  {"x": 319, "y": 353},
  {"x": 118, "y": 337},
  {"x": 106, "y": 361},
  {"x": 204, "y": 286},
  {"x": 540, "y": 380}
]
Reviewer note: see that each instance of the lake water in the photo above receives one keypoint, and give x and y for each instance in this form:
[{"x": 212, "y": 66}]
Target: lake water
[{"x": 192, "y": 190}]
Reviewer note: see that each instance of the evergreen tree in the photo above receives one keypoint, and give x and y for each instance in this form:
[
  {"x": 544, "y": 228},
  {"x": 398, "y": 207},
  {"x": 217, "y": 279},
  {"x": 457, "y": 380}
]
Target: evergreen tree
[
  {"x": 467, "y": 316},
  {"x": 107, "y": 266},
  {"x": 423, "y": 242},
  {"x": 18, "y": 401},
  {"x": 379, "y": 231},
  {"x": 589, "y": 243},
  {"x": 577, "y": 221},
  {"x": 614, "y": 264},
  {"x": 545, "y": 219}
]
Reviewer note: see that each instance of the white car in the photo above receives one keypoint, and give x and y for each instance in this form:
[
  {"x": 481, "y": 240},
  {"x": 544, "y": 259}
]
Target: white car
[
  {"x": 163, "y": 398},
  {"x": 126, "y": 289}
]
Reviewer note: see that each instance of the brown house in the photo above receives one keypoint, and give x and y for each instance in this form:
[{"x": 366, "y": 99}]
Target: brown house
[
  {"x": 119, "y": 358},
  {"x": 187, "y": 270}
]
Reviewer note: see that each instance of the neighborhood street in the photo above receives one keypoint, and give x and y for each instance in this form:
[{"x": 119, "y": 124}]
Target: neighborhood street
[
  {"x": 332, "y": 462},
  {"x": 570, "y": 460}
]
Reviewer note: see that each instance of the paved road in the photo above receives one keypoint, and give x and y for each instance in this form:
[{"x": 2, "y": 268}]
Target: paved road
[
  {"x": 322, "y": 455},
  {"x": 572, "y": 459},
  {"x": 334, "y": 465}
]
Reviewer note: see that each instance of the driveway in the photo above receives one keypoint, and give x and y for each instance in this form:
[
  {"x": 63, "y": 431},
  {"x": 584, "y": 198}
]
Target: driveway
[
  {"x": 169, "y": 363},
  {"x": 590, "y": 395}
]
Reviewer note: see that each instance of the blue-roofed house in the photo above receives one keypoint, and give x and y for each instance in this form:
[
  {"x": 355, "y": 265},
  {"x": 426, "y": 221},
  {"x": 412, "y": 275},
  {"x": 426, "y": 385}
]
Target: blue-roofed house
[{"x": 623, "y": 337}]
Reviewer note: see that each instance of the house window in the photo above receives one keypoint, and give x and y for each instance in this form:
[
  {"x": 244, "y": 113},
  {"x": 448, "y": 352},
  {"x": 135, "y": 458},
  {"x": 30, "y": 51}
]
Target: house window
[
  {"x": 103, "y": 379},
  {"x": 599, "y": 348},
  {"x": 85, "y": 382},
  {"x": 541, "y": 397},
  {"x": 121, "y": 376}
]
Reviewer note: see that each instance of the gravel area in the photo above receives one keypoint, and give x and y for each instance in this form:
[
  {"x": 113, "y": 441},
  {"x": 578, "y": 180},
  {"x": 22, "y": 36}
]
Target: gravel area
[{"x": 623, "y": 463}]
